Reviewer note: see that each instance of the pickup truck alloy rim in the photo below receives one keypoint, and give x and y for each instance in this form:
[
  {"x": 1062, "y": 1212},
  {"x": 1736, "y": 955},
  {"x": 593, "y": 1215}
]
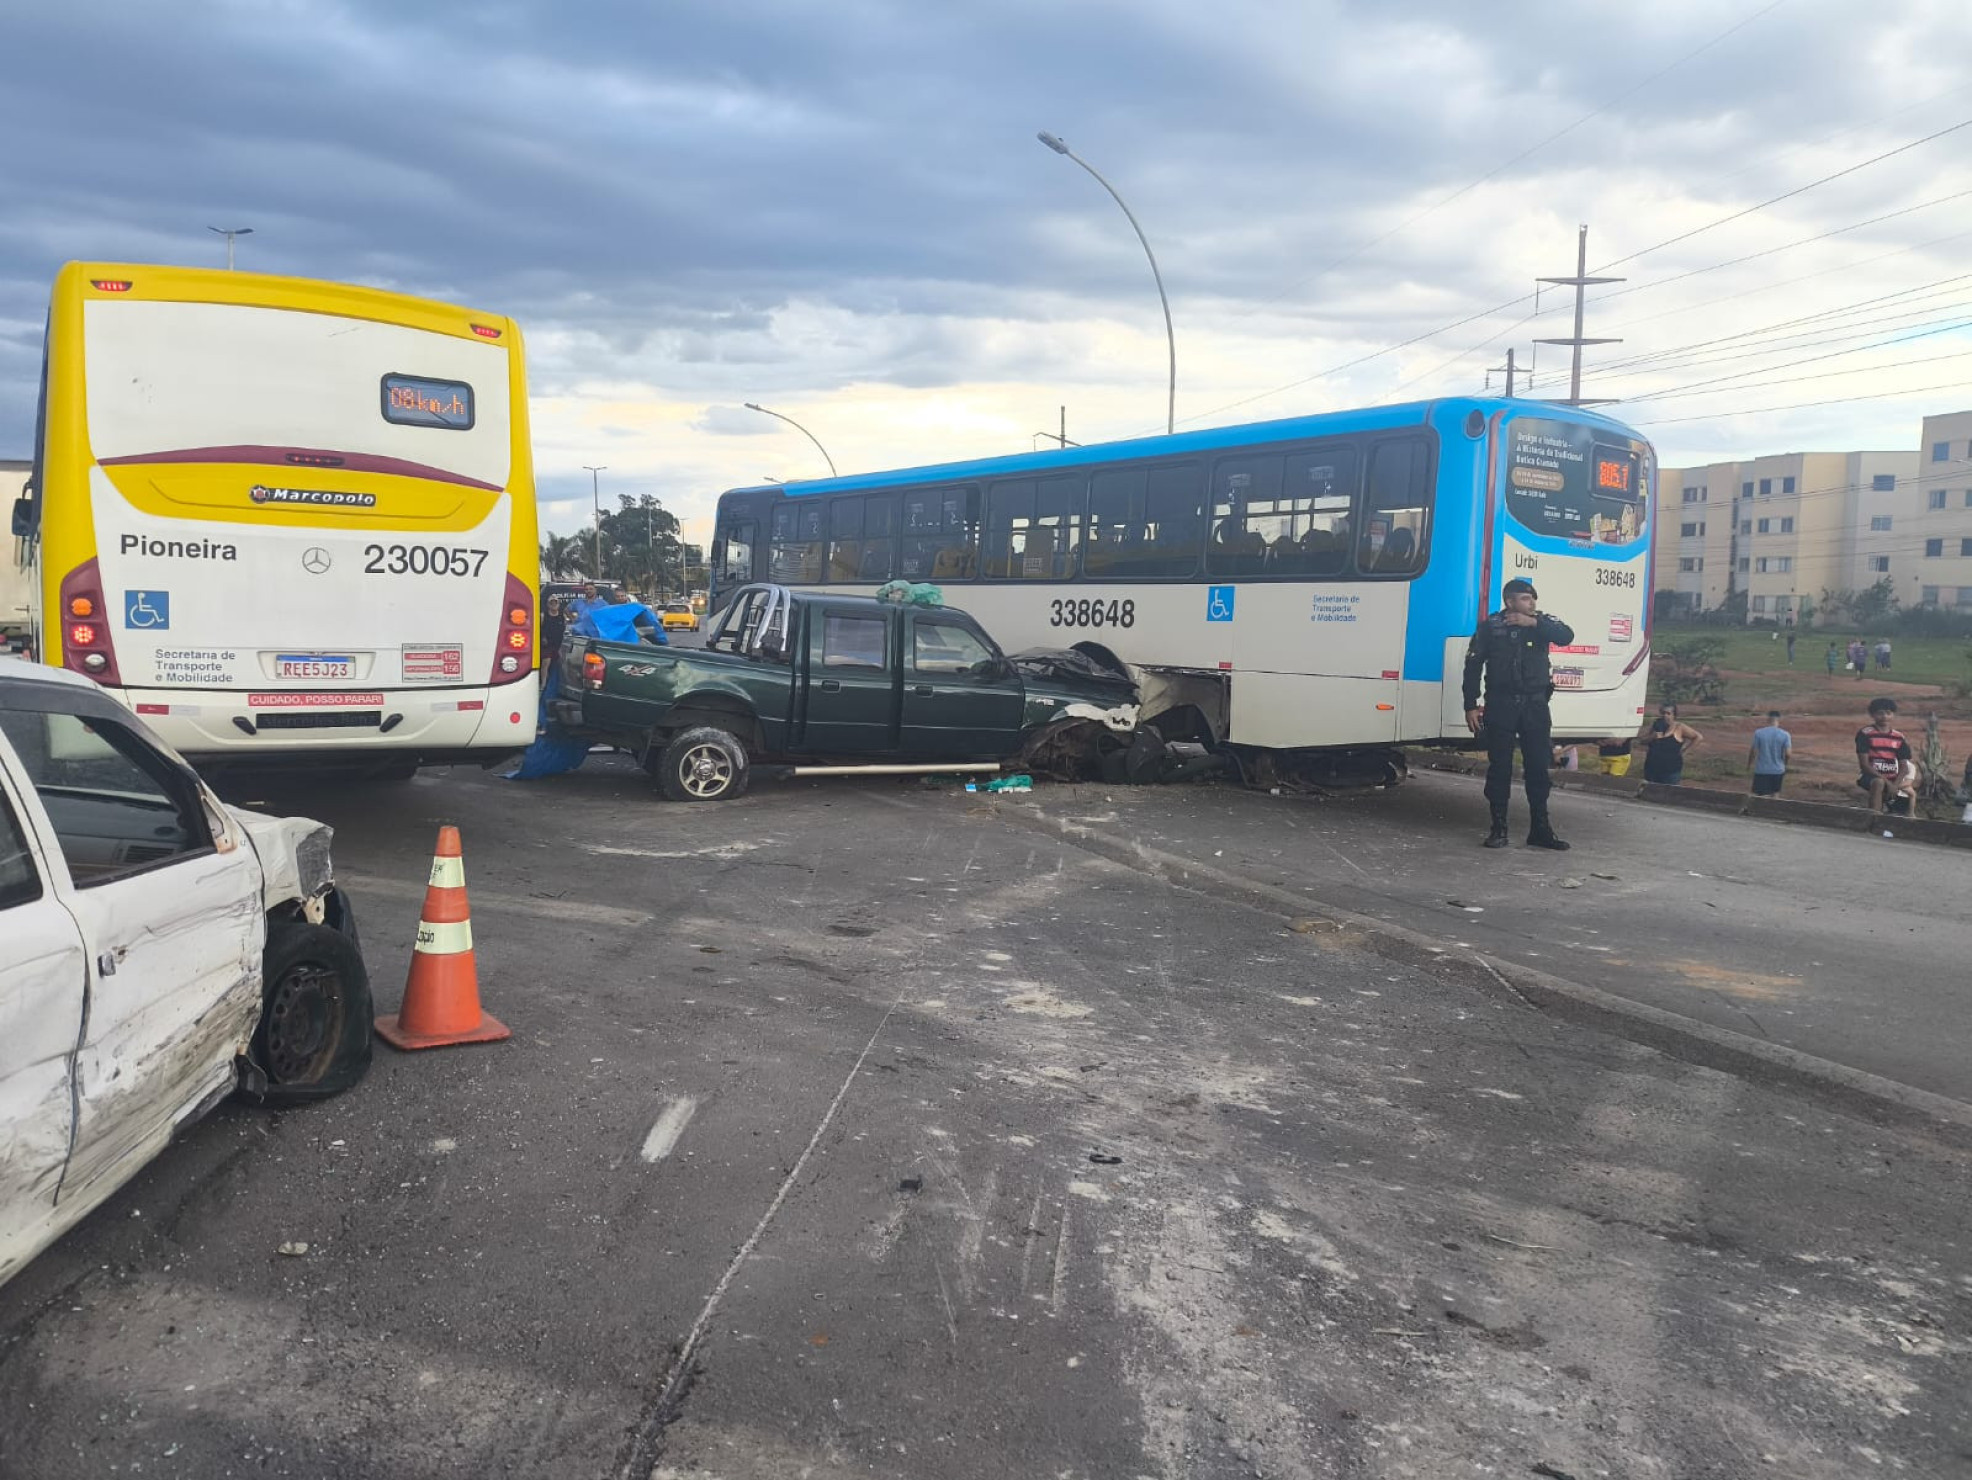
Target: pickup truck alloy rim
[
  {"x": 300, "y": 1023},
  {"x": 705, "y": 770}
]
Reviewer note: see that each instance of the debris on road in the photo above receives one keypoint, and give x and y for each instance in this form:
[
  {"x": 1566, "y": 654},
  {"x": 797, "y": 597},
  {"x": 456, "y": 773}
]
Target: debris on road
[{"x": 294, "y": 1249}]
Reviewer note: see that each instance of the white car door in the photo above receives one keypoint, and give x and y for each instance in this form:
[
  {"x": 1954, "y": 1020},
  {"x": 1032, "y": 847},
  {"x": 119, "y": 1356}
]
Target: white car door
[
  {"x": 169, "y": 908},
  {"x": 42, "y": 975}
]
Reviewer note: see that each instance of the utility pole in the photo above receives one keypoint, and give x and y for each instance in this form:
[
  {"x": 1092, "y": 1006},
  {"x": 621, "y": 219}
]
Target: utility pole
[
  {"x": 1061, "y": 437},
  {"x": 1580, "y": 281},
  {"x": 1509, "y": 370},
  {"x": 595, "y": 494}
]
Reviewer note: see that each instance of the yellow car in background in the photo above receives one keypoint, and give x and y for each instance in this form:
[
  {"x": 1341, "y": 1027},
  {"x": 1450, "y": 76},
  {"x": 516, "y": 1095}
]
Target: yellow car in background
[{"x": 678, "y": 616}]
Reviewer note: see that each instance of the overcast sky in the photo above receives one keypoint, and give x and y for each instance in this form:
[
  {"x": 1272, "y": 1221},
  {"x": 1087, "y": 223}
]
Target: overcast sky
[{"x": 840, "y": 209}]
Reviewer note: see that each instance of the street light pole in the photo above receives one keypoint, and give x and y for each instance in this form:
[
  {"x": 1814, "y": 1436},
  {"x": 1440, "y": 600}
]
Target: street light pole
[
  {"x": 1170, "y": 336},
  {"x": 753, "y": 406},
  {"x": 229, "y": 232},
  {"x": 595, "y": 493}
]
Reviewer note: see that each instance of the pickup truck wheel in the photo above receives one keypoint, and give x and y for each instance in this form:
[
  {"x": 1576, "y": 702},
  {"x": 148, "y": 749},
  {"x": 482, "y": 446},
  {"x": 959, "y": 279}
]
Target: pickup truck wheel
[
  {"x": 314, "y": 1034},
  {"x": 702, "y": 765}
]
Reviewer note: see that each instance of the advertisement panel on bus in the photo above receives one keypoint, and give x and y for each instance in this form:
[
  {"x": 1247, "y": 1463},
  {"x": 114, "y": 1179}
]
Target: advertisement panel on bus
[{"x": 1574, "y": 506}]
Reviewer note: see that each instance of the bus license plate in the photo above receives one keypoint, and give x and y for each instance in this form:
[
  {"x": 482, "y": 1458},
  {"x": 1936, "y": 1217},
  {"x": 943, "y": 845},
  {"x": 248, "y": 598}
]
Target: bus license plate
[{"x": 314, "y": 665}]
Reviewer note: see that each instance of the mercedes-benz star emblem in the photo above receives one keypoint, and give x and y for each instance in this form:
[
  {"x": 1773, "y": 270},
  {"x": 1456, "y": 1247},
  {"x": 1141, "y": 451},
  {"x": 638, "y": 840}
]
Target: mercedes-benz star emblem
[{"x": 315, "y": 560}]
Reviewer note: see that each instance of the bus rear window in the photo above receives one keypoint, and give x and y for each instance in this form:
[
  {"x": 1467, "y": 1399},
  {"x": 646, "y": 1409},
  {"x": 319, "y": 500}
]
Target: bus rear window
[{"x": 418, "y": 401}]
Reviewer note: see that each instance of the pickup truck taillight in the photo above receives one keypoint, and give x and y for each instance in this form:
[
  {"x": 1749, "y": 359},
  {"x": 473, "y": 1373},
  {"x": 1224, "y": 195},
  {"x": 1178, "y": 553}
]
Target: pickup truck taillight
[
  {"x": 592, "y": 670},
  {"x": 86, "y": 646},
  {"x": 513, "y": 649}
]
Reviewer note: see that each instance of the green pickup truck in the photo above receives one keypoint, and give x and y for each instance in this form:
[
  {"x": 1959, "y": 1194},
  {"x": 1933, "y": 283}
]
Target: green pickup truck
[{"x": 811, "y": 683}]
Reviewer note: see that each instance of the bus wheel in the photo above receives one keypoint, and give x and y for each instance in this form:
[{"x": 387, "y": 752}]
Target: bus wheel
[
  {"x": 314, "y": 1034},
  {"x": 702, "y": 765}
]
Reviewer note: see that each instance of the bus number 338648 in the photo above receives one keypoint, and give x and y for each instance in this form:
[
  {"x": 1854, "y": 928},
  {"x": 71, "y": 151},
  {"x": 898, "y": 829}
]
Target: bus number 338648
[
  {"x": 1604, "y": 576},
  {"x": 1088, "y": 613}
]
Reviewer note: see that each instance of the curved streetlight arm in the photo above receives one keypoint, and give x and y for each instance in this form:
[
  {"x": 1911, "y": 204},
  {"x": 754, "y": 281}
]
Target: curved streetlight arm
[
  {"x": 753, "y": 406},
  {"x": 1170, "y": 336}
]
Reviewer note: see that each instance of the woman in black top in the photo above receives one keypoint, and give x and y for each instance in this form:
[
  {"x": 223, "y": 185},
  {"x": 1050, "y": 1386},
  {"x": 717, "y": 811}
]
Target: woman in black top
[{"x": 1669, "y": 741}]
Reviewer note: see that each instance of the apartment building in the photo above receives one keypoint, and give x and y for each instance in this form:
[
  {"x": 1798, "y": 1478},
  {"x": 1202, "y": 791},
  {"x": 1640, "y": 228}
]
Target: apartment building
[
  {"x": 1781, "y": 528},
  {"x": 1932, "y": 558}
]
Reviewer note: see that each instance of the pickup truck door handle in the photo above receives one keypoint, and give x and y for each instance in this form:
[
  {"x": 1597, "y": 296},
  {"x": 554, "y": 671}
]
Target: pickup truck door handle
[
  {"x": 831, "y": 686},
  {"x": 923, "y": 691}
]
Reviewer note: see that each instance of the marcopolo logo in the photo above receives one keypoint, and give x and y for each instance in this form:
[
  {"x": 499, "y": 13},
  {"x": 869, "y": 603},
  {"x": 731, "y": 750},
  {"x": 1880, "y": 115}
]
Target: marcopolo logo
[{"x": 260, "y": 493}]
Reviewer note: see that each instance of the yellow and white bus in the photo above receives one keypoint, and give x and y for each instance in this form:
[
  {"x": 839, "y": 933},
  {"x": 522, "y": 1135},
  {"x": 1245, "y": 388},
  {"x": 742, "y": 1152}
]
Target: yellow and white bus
[{"x": 285, "y": 519}]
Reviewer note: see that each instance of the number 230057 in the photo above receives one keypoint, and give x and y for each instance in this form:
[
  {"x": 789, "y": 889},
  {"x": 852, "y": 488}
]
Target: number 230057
[{"x": 1091, "y": 613}]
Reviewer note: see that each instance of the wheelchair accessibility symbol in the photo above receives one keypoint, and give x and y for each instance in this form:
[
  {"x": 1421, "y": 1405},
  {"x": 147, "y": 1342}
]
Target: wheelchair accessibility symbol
[
  {"x": 1218, "y": 603},
  {"x": 147, "y": 609}
]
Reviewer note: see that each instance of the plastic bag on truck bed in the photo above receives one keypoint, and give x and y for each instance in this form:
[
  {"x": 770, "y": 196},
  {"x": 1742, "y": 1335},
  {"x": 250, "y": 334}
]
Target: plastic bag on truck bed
[{"x": 911, "y": 593}]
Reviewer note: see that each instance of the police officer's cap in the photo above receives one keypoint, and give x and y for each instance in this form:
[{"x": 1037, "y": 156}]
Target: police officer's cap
[{"x": 1515, "y": 586}]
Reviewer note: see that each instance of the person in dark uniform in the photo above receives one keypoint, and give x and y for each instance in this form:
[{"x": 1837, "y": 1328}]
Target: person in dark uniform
[{"x": 1510, "y": 651}]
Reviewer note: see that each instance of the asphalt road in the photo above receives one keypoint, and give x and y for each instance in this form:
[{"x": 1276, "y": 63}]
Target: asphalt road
[
  {"x": 1849, "y": 946},
  {"x": 848, "y": 1129}
]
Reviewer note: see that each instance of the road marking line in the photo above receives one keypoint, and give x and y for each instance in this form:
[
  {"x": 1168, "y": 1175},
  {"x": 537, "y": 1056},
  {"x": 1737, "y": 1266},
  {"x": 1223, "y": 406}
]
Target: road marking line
[
  {"x": 670, "y": 1125},
  {"x": 638, "y": 1458},
  {"x": 519, "y": 904}
]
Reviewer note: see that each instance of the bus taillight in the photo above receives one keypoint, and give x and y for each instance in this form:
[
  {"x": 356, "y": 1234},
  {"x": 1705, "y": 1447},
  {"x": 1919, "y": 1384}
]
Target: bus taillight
[
  {"x": 86, "y": 646},
  {"x": 513, "y": 649}
]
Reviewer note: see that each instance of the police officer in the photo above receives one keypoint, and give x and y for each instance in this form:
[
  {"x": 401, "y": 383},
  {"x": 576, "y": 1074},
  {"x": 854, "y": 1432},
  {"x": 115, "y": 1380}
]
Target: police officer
[{"x": 1511, "y": 650}]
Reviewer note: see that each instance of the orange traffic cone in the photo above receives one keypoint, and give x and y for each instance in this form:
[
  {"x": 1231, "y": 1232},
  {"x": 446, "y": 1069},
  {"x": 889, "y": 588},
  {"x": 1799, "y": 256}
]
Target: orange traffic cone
[{"x": 441, "y": 999}]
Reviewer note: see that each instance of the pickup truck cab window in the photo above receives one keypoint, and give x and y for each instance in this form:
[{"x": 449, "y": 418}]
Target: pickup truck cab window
[
  {"x": 947, "y": 647},
  {"x": 117, "y": 807},
  {"x": 852, "y": 641}
]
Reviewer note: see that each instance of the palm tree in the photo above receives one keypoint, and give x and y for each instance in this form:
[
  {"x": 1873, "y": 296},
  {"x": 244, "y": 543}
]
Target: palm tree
[{"x": 565, "y": 555}]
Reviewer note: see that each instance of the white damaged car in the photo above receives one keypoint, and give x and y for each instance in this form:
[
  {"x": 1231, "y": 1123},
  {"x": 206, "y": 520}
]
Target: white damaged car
[{"x": 158, "y": 951}]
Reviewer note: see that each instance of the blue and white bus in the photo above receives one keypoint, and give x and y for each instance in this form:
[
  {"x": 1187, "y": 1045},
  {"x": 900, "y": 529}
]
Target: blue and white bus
[{"x": 1301, "y": 590}]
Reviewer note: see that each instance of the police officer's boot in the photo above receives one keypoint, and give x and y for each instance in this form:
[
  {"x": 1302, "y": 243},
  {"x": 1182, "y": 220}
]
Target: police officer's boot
[
  {"x": 1541, "y": 834},
  {"x": 1497, "y": 837}
]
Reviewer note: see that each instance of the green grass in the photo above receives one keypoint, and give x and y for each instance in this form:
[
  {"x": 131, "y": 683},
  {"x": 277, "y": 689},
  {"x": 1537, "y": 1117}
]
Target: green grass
[{"x": 1938, "y": 660}]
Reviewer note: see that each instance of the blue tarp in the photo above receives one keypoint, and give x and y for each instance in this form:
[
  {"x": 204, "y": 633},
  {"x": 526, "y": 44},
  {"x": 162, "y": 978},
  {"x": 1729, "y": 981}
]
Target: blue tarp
[
  {"x": 617, "y": 622},
  {"x": 553, "y": 754}
]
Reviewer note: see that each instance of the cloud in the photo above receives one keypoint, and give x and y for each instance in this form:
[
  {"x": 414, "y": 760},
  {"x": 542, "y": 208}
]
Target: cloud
[{"x": 842, "y": 211}]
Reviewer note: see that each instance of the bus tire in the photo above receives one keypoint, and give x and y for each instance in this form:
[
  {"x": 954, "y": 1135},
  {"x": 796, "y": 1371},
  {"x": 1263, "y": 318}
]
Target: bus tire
[
  {"x": 702, "y": 764},
  {"x": 313, "y": 1038}
]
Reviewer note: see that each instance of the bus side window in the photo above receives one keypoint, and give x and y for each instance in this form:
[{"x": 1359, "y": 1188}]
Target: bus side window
[
  {"x": 860, "y": 537},
  {"x": 735, "y": 556},
  {"x": 1318, "y": 496},
  {"x": 1033, "y": 529},
  {"x": 795, "y": 556},
  {"x": 1145, "y": 522},
  {"x": 845, "y": 538},
  {"x": 940, "y": 534},
  {"x": 1396, "y": 523},
  {"x": 1246, "y": 518}
]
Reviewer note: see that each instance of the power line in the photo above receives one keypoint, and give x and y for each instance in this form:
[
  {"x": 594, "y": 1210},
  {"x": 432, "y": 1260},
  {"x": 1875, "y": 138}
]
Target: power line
[
  {"x": 1922, "y": 390},
  {"x": 1826, "y": 324},
  {"x": 1790, "y": 194},
  {"x": 1704, "y": 388},
  {"x": 1788, "y": 247}
]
